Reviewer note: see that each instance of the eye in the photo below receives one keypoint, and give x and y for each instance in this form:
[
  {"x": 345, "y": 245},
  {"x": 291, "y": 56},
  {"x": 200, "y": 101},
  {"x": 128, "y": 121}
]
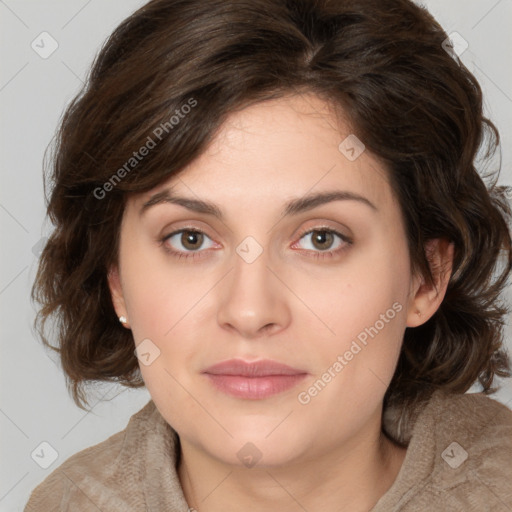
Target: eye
[
  {"x": 190, "y": 240},
  {"x": 323, "y": 239},
  {"x": 187, "y": 243}
]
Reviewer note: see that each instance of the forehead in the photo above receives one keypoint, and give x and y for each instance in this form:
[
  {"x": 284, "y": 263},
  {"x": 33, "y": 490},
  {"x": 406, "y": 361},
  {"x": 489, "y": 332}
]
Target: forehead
[{"x": 280, "y": 149}]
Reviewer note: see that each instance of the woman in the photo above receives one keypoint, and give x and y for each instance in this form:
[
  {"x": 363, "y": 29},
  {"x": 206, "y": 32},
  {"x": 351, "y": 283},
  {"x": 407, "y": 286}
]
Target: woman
[{"x": 268, "y": 213}]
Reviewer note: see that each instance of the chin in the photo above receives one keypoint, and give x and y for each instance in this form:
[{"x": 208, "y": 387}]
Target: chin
[
  {"x": 255, "y": 455},
  {"x": 255, "y": 444}
]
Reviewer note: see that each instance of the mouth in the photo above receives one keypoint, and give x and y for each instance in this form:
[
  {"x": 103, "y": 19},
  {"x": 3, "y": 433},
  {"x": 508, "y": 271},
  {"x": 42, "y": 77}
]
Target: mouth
[{"x": 253, "y": 381}]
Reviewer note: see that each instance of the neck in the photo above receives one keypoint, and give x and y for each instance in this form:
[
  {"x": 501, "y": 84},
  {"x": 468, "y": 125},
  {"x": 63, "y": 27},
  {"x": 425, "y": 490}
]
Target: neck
[{"x": 351, "y": 477}]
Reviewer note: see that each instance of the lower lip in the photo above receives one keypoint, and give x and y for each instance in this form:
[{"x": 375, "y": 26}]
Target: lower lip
[{"x": 254, "y": 388}]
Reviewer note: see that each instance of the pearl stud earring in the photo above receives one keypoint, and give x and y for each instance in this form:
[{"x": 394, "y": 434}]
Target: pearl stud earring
[{"x": 122, "y": 319}]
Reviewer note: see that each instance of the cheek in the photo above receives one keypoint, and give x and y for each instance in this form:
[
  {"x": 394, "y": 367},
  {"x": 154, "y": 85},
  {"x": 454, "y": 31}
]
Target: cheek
[
  {"x": 364, "y": 288},
  {"x": 165, "y": 307},
  {"x": 355, "y": 363},
  {"x": 171, "y": 393},
  {"x": 363, "y": 316},
  {"x": 159, "y": 293}
]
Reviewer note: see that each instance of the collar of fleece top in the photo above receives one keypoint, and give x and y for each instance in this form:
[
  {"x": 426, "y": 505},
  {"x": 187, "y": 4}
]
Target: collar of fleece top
[{"x": 458, "y": 458}]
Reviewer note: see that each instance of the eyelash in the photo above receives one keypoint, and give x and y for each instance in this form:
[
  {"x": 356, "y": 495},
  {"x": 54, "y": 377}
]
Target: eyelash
[{"x": 316, "y": 254}]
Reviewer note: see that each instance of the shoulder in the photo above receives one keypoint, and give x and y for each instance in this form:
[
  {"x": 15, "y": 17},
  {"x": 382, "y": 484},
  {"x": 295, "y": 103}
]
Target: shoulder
[
  {"x": 471, "y": 442},
  {"x": 481, "y": 423},
  {"x": 97, "y": 470}
]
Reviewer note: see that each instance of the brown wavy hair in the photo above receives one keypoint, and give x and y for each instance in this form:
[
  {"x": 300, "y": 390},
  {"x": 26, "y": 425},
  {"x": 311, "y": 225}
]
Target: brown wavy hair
[{"x": 381, "y": 63}]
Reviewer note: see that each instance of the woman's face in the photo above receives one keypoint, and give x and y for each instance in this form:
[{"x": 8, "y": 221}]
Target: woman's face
[{"x": 323, "y": 287}]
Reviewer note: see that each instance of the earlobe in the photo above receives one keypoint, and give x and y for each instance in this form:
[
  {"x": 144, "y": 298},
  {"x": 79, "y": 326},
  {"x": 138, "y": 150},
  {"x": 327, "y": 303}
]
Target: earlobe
[
  {"x": 428, "y": 297},
  {"x": 116, "y": 293}
]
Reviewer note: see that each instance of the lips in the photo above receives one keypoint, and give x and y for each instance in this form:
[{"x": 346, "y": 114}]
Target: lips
[
  {"x": 253, "y": 381},
  {"x": 255, "y": 369}
]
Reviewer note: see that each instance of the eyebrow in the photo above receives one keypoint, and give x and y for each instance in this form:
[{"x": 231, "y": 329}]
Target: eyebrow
[{"x": 293, "y": 207}]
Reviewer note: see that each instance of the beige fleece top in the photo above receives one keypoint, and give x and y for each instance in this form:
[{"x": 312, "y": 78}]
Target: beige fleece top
[{"x": 459, "y": 458}]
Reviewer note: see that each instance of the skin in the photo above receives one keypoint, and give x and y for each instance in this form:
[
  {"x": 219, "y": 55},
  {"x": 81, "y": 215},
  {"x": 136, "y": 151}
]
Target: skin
[{"x": 329, "y": 454}]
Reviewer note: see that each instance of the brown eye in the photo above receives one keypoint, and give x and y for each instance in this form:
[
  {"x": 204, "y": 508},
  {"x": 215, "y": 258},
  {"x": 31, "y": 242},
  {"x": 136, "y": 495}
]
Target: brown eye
[
  {"x": 322, "y": 239},
  {"x": 323, "y": 242},
  {"x": 186, "y": 241},
  {"x": 191, "y": 239}
]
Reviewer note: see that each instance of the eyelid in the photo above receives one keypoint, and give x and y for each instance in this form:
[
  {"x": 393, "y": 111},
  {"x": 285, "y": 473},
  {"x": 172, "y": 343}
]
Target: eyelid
[
  {"x": 321, "y": 227},
  {"x": 345, "y": 239},
  {"x": 182, "y": 229}
]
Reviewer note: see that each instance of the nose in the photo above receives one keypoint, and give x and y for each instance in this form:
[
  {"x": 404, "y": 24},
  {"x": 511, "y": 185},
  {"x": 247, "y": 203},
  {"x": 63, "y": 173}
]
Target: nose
[{"x": 254, "y": 300}]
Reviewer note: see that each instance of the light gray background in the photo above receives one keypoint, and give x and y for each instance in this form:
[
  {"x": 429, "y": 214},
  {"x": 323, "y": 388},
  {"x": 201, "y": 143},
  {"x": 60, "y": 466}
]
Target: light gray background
[{"x": 35, "y": 406}]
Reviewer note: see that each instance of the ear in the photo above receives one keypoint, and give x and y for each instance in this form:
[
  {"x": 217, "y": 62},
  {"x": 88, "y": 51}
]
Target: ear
[
  {"x": 426, "y": 299},
  {"x": 116, "y": 292}
]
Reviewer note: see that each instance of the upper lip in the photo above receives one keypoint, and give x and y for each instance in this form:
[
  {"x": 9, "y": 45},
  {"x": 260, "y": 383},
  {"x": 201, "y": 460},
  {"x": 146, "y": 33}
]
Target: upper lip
[{"x": 261, "y": 368}]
